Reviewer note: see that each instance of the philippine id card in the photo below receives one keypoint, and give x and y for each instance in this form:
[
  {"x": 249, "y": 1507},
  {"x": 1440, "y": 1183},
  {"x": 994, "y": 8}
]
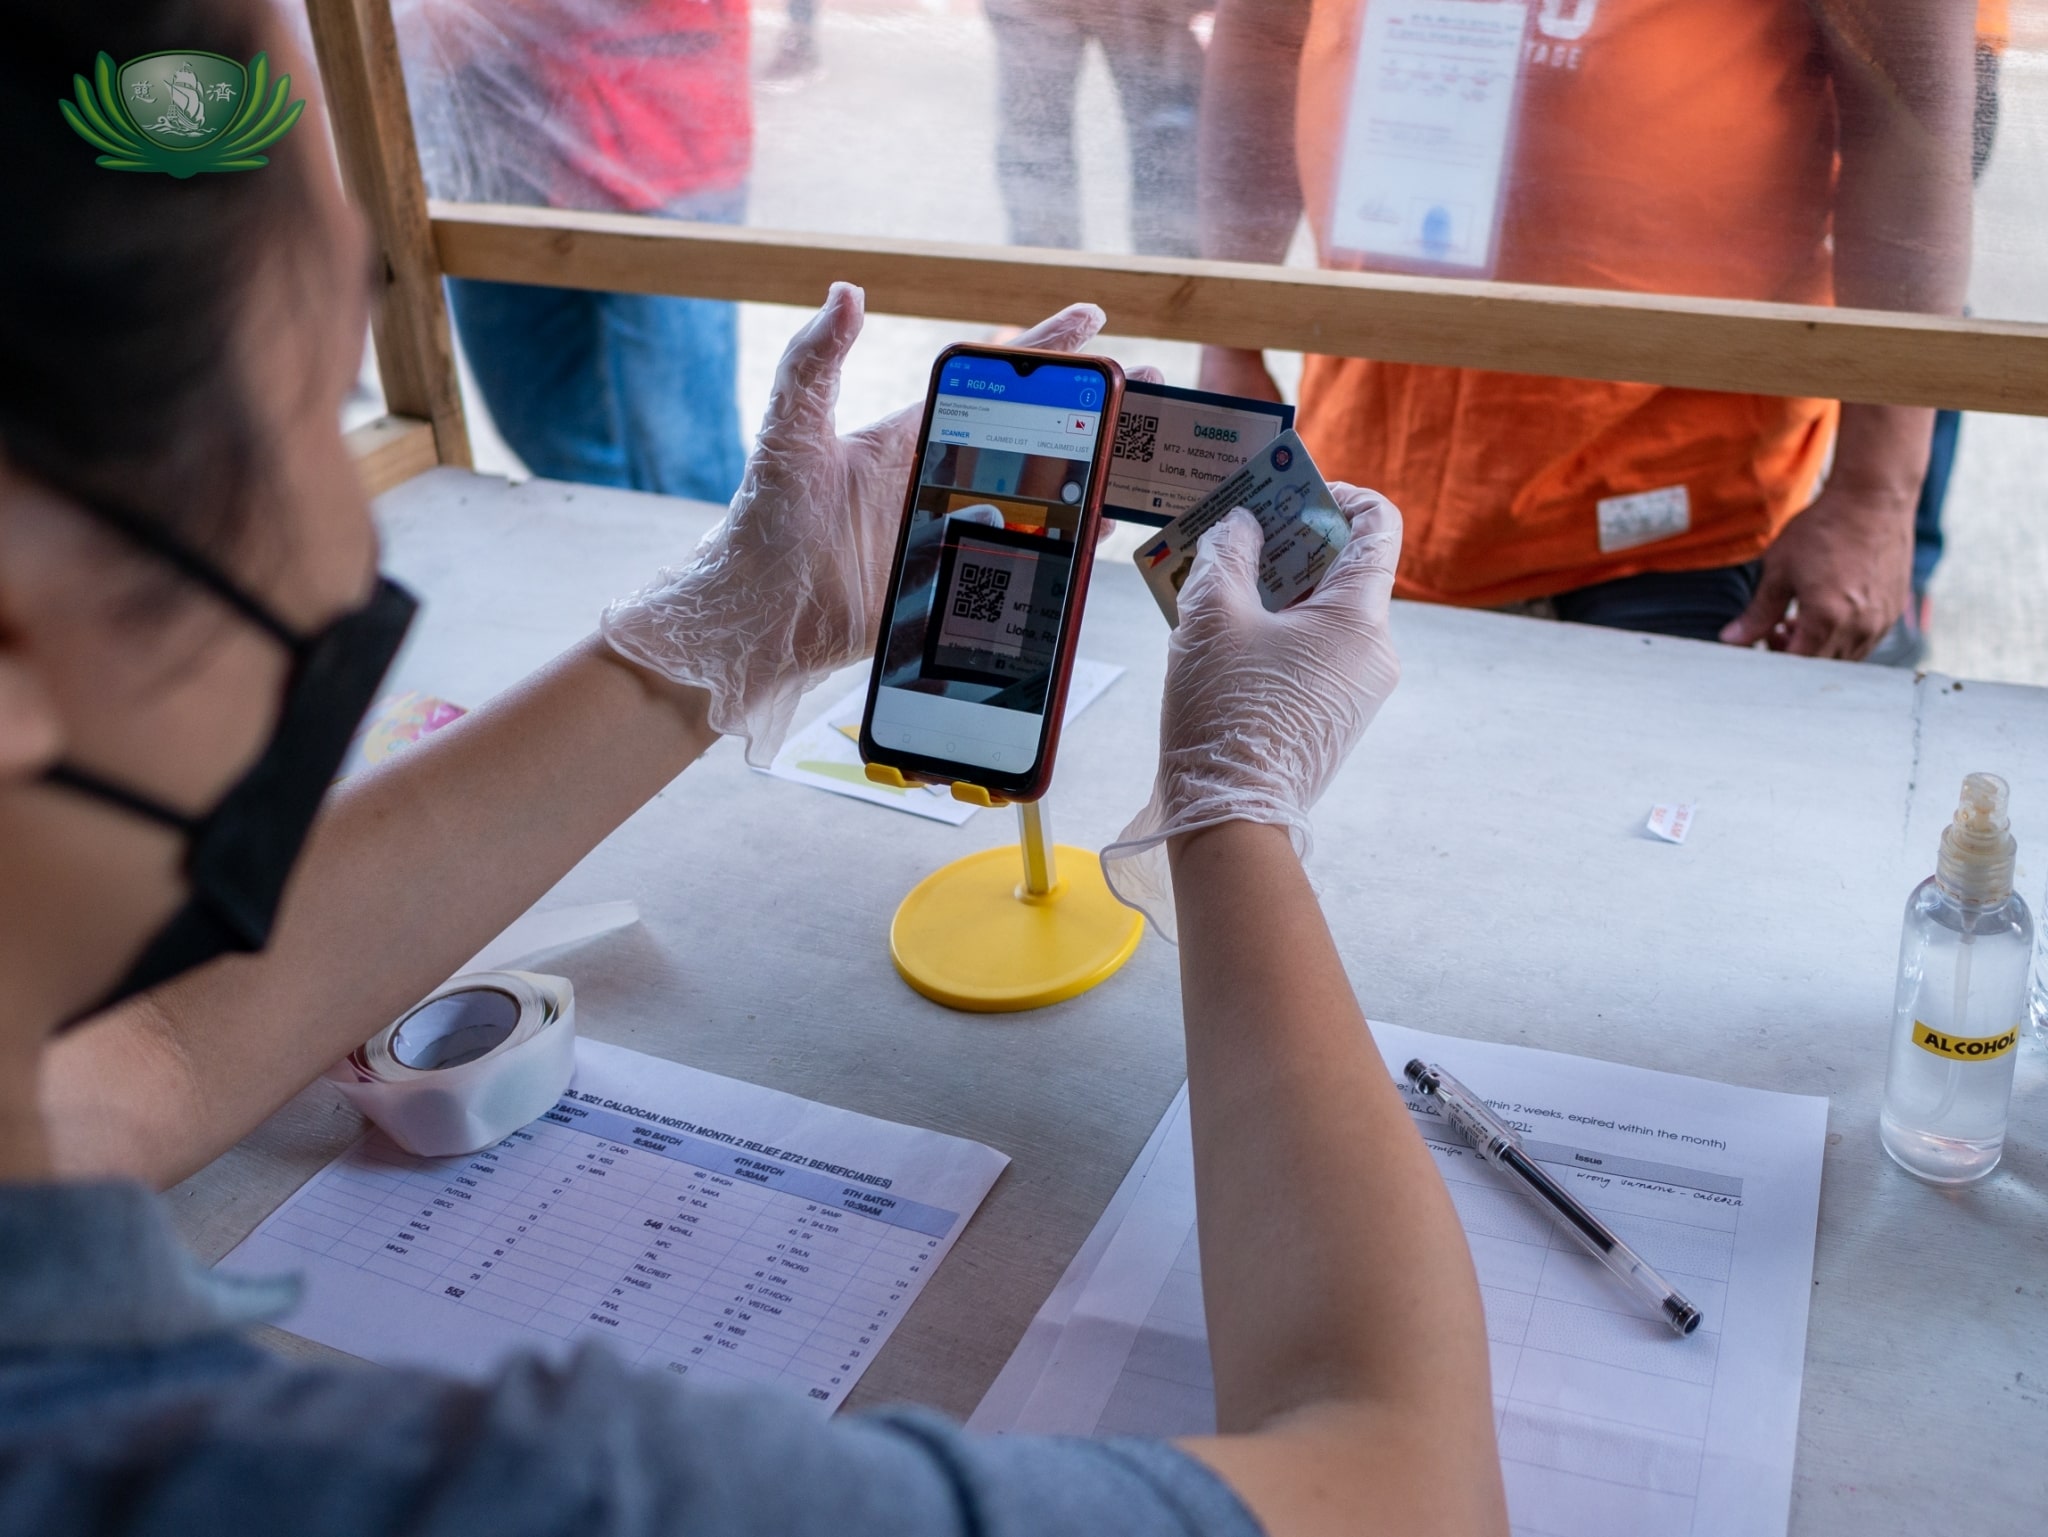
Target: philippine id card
[
  {"x": 1173, "y": 447},
  {"x": 1284, "y": 490}
]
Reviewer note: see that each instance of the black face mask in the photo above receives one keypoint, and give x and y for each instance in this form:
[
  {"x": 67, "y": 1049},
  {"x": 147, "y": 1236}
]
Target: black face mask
[{"x": 240, "y": 854}]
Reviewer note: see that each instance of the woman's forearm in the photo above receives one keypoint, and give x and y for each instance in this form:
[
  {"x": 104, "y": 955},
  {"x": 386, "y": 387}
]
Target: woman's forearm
[
  {"x": 411, "y": 870},
  {"x": 1335, "y": 1271}
]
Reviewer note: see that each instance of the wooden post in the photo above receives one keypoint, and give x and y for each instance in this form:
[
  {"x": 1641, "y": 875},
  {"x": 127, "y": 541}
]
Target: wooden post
[
  {"x": 1885, "y": 357},
  {"x": 357, "y": 47}
]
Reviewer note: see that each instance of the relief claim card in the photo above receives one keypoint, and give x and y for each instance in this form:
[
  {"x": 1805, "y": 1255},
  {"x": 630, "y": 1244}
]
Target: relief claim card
[
  {"x": 1173, "y": 447},
  {"x": 1284, "y": 490}
]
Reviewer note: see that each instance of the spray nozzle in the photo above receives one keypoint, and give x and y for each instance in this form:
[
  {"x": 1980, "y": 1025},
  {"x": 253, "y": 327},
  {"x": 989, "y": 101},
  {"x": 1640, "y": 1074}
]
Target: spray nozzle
[
  {"x": 1981, "y": 813},
  {"x": 1977, "y": 847}
]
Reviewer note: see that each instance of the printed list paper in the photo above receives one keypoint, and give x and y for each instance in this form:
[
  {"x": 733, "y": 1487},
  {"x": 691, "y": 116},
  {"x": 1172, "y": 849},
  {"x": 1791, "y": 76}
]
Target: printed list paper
[
  {"x": 694, "y": 1223},
  {"x": 1608, "y": 1422}
]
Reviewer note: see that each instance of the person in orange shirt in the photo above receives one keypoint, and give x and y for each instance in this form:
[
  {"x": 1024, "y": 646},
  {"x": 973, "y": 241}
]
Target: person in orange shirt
[{"x": 1807, "y": 151}]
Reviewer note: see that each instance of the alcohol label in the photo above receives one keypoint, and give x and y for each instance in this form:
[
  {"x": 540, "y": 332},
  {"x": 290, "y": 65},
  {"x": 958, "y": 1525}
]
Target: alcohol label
[{"x": 1958, "y": 1048}]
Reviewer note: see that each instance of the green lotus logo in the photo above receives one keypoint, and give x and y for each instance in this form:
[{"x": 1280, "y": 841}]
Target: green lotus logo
[{"x": 181, "y": 113}]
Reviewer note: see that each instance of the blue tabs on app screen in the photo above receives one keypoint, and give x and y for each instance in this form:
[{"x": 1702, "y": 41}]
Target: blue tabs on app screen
[
  {"x": 1049, "y": 384},
  {"x": 1052, "y": 413}
]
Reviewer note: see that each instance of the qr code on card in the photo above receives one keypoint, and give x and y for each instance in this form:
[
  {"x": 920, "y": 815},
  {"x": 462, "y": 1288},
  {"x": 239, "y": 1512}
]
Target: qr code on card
[
  {"x": 1135, "y": 436},
  {"x": 978, "y": 593}
]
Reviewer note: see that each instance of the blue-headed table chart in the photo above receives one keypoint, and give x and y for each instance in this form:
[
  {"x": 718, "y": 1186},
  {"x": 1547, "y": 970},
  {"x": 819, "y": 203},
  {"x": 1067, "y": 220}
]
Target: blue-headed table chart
[{"x": 682, "y": 1253}]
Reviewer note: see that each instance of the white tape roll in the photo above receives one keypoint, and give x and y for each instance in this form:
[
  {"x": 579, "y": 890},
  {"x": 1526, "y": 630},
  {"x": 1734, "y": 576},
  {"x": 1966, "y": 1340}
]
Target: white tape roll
[{"x": 476, "y": 1059}]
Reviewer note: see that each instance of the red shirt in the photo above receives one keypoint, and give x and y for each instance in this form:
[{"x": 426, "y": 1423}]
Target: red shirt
[{"x": 650, "y": 99}]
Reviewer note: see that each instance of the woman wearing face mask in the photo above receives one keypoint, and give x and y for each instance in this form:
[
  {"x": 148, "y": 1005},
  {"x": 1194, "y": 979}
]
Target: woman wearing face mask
[{"x": 191, "y": 626}]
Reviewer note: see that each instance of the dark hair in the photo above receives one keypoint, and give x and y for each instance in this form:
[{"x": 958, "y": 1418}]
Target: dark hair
[{"x": 122, "y": 294}]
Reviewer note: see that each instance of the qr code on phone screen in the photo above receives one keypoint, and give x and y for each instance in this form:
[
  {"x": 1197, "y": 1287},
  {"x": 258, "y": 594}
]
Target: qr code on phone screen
[
  {"x": 1134, "y": 437},
  {"x": 978, "y": 593}
]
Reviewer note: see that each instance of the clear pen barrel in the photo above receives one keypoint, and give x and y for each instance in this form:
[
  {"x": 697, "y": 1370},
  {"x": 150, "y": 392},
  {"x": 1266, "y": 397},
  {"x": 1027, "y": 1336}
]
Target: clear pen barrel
[
  {"x": 1495, "y": 1141},
  {"x": 1635, "y": 1273}
]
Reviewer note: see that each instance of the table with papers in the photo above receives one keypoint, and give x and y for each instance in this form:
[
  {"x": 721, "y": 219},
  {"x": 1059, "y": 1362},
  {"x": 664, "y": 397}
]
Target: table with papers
[
  {"x": 1608, "y": 1423},
  {"x": 1485, "y": 865},
  {"x": 695, "y": 1225}
]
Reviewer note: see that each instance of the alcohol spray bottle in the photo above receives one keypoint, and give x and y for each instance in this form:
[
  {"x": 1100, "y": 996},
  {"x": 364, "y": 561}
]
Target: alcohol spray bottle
[{"x": 1961, "y": 999}]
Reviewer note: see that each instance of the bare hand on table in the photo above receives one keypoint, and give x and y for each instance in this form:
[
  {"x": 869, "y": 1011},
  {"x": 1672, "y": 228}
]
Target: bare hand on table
[{"x": 1847, "y": 564}]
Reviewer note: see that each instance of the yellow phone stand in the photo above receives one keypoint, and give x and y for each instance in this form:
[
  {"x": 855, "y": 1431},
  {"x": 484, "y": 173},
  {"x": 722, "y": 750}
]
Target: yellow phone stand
[{"x": 973, "y": 935}]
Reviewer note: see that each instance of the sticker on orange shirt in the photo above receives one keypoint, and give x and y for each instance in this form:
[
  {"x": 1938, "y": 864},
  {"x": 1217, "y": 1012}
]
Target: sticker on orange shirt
[{"x": 1644, "y": 518}]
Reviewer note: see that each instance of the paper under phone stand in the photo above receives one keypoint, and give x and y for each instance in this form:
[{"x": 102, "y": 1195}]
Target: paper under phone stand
[{"x": 986, "y": 935}]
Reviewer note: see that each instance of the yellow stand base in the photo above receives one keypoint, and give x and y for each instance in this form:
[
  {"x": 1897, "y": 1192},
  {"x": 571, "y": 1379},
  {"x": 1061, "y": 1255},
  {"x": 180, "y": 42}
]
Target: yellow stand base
[{"x": 974, "y": 936}]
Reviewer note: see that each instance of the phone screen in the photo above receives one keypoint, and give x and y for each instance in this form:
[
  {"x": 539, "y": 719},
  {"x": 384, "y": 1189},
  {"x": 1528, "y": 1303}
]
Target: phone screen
[{"x": 972, "y": 642}]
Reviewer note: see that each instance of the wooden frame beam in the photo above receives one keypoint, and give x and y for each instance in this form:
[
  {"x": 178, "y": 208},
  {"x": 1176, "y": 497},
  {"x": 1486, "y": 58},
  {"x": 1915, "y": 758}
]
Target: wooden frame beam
[
  {"x": 1876, "y": 356},
  {"x": 357, "y": 48},
  {"x": 390, "y": 450}
]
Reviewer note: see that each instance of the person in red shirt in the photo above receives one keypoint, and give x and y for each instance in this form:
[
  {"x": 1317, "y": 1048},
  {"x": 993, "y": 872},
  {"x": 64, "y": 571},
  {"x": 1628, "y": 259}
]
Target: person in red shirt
[{"x": 612, "y": 105}]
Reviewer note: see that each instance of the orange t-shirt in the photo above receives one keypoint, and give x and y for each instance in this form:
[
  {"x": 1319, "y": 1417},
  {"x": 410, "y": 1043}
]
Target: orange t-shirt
[
  {"x": 1994, "y": 24},
  {"x": 1663, "y": 146}
]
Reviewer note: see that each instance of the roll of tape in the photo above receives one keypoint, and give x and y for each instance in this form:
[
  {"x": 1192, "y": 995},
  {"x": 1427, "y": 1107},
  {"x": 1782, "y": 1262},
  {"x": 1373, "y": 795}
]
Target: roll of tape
[{"x": 473, "y": 1061}]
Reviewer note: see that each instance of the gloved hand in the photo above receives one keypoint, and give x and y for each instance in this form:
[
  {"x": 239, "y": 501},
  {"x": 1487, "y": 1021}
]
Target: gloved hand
[
  {"x": 1261, "y": 709},
  {"x": 789, "y": 588}
]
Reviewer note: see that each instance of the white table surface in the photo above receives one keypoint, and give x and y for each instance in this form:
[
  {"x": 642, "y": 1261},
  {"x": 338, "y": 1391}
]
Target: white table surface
[{"x": 1484, "y": 869}]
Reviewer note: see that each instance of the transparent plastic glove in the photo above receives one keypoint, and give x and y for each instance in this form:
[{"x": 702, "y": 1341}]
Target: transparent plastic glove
[
  {"x": 788, "y": 588},
  {"x": 1261, "y": 709}
]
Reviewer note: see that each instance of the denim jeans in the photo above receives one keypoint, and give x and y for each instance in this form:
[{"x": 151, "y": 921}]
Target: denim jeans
[
  {"x": 1157, "y": 65},
  {"x": 1941, "y": 462},
  {"x": 1691, "y": 604},
  {"x": 628, "y": 390}
]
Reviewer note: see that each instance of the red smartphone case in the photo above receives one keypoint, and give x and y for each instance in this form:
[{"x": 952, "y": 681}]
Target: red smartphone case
[{"x": 1032, "y": 784}]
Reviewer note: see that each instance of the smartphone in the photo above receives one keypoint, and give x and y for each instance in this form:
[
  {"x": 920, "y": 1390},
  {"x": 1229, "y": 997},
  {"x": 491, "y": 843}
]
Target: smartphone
[{"x": 991, "y": 569}]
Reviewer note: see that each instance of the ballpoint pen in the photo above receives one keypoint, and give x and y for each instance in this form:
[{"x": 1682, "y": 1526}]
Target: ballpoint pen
[{"x": 1496, "y": 1142}]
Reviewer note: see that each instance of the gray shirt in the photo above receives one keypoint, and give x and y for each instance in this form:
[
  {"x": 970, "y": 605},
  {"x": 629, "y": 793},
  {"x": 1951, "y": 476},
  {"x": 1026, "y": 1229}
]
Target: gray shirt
[{"x": 131, "y": 1403}]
